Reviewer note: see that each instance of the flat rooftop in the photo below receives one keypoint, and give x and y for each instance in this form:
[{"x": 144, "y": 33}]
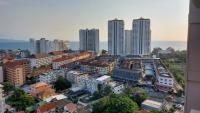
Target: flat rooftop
[
  {"x": 103, "y": 78},
  {"x": 152, "y": 103}
]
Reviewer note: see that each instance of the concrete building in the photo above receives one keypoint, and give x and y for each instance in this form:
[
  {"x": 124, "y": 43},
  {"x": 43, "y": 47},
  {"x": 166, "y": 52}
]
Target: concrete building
[
  {"x": 165, "y": 81},
  {"x": 52, "y": 76},
  {"x": 116, "y": 37},
  {"x": 193, "y": 62},
  {"x": 65, "y": 60},
  {"x": 117, "y": 87},
  {"x": 92, "y": 82},
  {"x": 128, "y": 40},
  {"x": 129, "y": 71},
  {"x": 2, "y": 100},
  {"x": 43, "y": 46},
  {"x": 77, "y": 78},
  {"x": 89, "y": 40},
  {"x": 17, "y": 71},
  {"x": 1, "y": 74},
  {"x": 101, "y": 67},
  {"x": 32, "y": 44},
  {"x": 141, "y": 43},
  {"x": 151, "y": 105}
]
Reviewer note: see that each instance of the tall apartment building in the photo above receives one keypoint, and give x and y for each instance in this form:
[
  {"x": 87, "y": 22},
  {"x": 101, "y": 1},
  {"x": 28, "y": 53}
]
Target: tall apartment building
[
  {"x": 43, "y": 45},
  {"x": 16, "y": 71},
  {"x": 116, "y": 37},
  {"x": 89, "y": 40},
  {"x": 141, "y": 43},
  {"x": 46, "y": 46},
  {"x": 128, "y": 40},
  {"x": 32, "y": 47}
]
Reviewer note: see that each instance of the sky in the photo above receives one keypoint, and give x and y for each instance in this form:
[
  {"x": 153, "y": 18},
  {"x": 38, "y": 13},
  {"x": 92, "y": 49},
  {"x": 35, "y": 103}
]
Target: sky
[{"x": 62, "y": 19}]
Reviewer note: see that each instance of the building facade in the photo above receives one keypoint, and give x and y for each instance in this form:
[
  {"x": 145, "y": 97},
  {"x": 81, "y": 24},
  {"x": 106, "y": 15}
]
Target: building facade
[
  {"x": 89, "y": 40},
  {"x": 141, "y": 43},
  {"x": 17, "y": 71},
  {"x": 65, "y": 60},
  {"x": 46, "y": 46},
  {"x": 1, "y": 74},
  {"x": 128, "y": 40},
  {"x": 77, "y": 78},
  {"x": 52, "y": 76},
  {"x": 32, "y": 45},
  {"x": 2, "y": 100},
  {"x": 116, "y": 37}
]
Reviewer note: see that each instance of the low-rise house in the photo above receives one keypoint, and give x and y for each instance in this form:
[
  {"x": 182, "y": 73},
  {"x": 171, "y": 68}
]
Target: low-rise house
[
  {"x": 42, "y": 90},
  {"x": 58, "y": 106}
]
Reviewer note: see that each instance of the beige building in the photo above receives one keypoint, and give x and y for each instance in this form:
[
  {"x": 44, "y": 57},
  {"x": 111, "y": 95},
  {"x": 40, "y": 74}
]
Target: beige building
[{"x": 17, "y": 71}]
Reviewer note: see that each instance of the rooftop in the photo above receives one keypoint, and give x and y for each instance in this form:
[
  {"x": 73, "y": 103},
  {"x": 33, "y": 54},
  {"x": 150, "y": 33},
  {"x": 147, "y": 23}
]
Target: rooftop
[
  {"x": 103, "y": 78},
  {"x": 57, "y": 97},
  {"x": 152, "y": 103}
]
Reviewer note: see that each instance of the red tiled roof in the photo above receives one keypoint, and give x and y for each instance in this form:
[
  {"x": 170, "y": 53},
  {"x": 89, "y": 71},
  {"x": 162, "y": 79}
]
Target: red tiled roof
[
  {"x": 57, "y": 52},
  {"x": 71, "y": 107},
  {"x": 20, "y": 112},
  {"x": 47, "y": 107},
  {"x": 16, "y": 63}
]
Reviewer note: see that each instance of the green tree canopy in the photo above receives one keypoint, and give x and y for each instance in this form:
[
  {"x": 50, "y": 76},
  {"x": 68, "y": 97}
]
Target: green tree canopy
[
  {"x": 115, "y": 104},
  {"x": 20, "y": 100},
  {"x": 136, "y": 94},
  {"x": 62, "y": 84},
  {"x": 7, "y": 87}
]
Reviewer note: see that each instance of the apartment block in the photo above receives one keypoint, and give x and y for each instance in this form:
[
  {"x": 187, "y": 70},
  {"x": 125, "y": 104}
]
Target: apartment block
[{"x": 17, "y": 71}]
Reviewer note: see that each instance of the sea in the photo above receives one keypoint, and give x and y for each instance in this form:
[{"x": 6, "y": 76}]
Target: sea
[{"x": 177, "y": 45}]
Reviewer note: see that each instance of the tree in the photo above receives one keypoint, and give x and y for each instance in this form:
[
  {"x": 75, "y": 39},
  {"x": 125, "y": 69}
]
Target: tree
[
  {"x": 20, "y": 100},
  {"x": 103, "y": 52},
  {"x": 7, "y": 87},
  {"x": 115, "y": 104},
  {"x": 156, "y": 50},
  {"x": 62, "y": 84},
  {"x": 103, "y": 90},
  {"x": 136, "y": 94}
]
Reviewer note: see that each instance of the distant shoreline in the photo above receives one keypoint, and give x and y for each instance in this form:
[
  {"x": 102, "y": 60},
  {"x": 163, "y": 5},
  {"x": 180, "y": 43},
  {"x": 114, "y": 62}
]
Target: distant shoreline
[{"x": 74, "y": 45}]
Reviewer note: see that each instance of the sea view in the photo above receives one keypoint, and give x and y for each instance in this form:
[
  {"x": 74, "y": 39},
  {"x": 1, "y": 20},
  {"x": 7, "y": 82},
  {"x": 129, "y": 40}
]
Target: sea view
[{"x": 177, "y": 45}]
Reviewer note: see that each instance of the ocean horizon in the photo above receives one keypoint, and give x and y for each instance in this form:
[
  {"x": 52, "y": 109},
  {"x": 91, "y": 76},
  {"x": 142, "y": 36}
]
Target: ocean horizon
[{"x": 74, "y": 45}]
